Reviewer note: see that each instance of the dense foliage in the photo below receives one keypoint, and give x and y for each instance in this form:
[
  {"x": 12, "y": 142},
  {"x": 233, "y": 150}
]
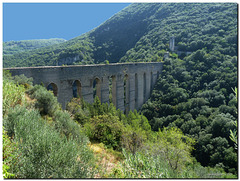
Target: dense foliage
[
  {"x": 209, "y": 26},
  {"x": 51, "y": 143},
  {"x": 195, "y": 95},
  {"x": 103, "y": 123},
  {"x": 141, "y": 32},
  {"x": 148, "y": 154}
]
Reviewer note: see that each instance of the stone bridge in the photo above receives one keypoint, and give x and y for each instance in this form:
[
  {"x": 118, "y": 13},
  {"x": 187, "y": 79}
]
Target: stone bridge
[{"x": 126, "y": 85}]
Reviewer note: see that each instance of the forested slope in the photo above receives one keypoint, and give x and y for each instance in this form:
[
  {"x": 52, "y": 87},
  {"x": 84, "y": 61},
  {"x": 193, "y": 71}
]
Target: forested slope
[
  {"x": 12, "y": 47},
  {"x": 141, "y": 32},
  {"x": 208, "y": 26},
  {"x": 195, "y": 92},
  {"x": 196, "y": 95}
]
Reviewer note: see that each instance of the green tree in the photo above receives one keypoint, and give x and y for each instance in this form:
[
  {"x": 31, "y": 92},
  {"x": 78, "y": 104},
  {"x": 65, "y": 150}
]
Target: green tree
[
  {"x": 174, "y": 146},
  {"x": 46, "y": 102},
  {"x": 233, "y": 133},
  {"x": 106, "y": 129}
]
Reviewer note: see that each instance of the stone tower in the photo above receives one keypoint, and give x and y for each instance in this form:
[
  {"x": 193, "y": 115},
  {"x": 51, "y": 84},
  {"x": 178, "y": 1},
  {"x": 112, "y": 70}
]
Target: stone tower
[
  {"x": 172, "y": 43},
  {"x": 166, "y": 55}
]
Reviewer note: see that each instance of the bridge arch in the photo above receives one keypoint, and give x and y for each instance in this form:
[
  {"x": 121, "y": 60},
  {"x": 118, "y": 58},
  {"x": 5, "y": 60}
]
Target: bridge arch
[
  {"x": 96, "y": 88},
  {"x": 53, "y": 87},
  {"x": 77, "y": 89}
]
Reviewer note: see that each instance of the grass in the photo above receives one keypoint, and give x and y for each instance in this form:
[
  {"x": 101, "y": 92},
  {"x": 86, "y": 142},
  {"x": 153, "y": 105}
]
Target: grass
[{"x": 107, "y": 159}]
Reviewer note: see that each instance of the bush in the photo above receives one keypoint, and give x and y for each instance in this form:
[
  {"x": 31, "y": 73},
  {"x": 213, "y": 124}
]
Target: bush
[
  {"x": 195, "y": 170},
  {"x": 79, "y": 109},
  {"x": 141, "y": 165},
  {"x": 174, "y": 147},
  {"x": 23, "y": 80},
  {"x": 12, "y": 95},
  {"x": 46, "y": 102},
  {"x": 9, "y": 154},
  {"x": 65, "y": 125},
  {"x": 106, "y": 129},
  {"x": 45, "y": 153},
  {"x": 132, "y": 140},
  {"x": 11, "y": 120}
]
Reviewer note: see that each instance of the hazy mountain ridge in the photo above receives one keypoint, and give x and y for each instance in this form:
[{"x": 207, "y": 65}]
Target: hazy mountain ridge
[{"x": 12, "y": 47}]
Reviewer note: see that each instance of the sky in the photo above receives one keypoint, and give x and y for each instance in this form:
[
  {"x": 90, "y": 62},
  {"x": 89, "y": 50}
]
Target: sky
[{"x": 26, "y": 21}]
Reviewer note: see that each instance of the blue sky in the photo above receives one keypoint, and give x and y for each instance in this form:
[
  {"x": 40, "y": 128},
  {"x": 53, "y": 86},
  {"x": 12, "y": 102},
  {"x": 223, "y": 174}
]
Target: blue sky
[{"x": 25, "y": 21}]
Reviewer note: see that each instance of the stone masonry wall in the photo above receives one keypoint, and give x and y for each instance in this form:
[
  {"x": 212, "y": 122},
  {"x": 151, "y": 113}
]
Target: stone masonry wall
[{"x": 64, "y": 76}]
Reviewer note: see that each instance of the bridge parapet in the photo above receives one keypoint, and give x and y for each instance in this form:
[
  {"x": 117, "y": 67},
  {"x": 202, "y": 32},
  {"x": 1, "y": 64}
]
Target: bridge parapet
[{"x": 131, "y": 83}]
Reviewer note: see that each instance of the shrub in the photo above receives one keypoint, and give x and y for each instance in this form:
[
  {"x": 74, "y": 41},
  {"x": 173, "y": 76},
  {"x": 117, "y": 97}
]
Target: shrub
[
  {"x": 79, "y": 109},
  {"x": 9, "y": 154},
  {"x": 11, "y": 120},
  {"x": 137, "y": 121},
  {"x": 174, "y": 146},
  {"x": 23, "y": 80},
  {"x": 137, "y": 131},
  {"x": 141, "y": 165},
  {"x": 96, "y": 108},
  {"x": 12, "y": 95},
  {"x": 106, "y": 129},
  {"x": 44, "y": 152},
  {"x": 46, "y": 102},
  {"x": 65, "y": 125},
  {"x": 195, "y": 170},
  {"x": 133, "y": 139}
]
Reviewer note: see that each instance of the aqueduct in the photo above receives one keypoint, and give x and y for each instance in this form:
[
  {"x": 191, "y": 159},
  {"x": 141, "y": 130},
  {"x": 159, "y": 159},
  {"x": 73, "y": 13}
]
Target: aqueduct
[{"x": 130, "y": 84}]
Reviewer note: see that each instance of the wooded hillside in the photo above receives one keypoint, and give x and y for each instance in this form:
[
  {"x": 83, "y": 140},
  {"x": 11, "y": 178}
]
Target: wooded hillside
[{"x": 12, "y": 47}]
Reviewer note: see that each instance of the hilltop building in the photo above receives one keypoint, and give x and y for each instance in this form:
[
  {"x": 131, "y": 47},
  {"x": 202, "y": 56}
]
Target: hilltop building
[{"x": 174, "y": 48}]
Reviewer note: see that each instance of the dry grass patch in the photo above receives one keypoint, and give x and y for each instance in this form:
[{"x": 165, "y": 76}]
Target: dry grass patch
[{"x": 107, "y": 159}]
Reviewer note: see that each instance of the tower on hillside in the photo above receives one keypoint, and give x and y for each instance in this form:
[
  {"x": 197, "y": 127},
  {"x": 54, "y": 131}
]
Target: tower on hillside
[
  {"x": 172, "y": 43},
  {"x": 166, "y": 55}
]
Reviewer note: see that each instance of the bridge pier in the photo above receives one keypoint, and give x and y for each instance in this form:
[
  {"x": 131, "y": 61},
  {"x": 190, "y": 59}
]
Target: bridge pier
[
  {"x": 65, "y": 92},
  {"x": 87, "y": 90},
  {"x": 114, "y": 90},
  {"x": 120, "y": 92},
  {"x": 148, "y": 86},
  {"x": 140, "y": 87},
  {"x": 126, "y": 93},
  {"x": 105, "y": 90},
  {"x": 132, "y": 92}
]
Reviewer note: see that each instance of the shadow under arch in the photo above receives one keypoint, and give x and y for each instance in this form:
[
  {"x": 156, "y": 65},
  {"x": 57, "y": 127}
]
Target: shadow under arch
[
  {"x": 77, "y": 89},
  {"x": 96, "y": 88},
  {"x": 53, "y": 87}
]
